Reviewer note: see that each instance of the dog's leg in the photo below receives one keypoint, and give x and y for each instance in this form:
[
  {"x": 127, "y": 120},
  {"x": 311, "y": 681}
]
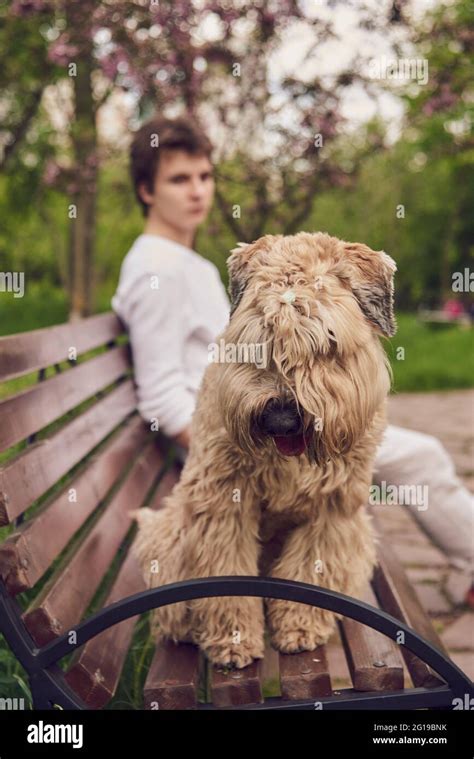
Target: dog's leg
[
  {"x": 339, "y": 555},
  {"x": 229, "y": 629},
  {"x": 159, "y": 550}
]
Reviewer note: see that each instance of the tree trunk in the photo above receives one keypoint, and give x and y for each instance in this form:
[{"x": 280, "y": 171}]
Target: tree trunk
[{"x": 83, "y": 189}]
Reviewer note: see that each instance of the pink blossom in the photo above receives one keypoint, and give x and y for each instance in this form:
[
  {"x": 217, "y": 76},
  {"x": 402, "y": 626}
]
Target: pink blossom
[
  {"x": 110, "y": 63},
  {"x": 441, "y": 101},
  {"x": 61, "y": 52},
  {"x": 51, "y": 172}
]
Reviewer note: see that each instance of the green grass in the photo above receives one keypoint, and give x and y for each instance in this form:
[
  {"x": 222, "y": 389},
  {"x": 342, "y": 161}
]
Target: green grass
[
  {"x": 41, "y": 306},
  {"x": 13, "y": 678},
  {"x": 435, "y": 358}
]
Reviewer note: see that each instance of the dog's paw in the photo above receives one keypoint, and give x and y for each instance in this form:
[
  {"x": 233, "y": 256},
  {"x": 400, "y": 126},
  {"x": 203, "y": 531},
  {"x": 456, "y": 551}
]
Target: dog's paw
[
  {"x": 233, "y": 655},
  {"x": 295, "y": 641}
]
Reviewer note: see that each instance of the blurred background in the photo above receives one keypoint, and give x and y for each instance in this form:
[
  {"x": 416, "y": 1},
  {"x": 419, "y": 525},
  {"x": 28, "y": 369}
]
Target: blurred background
[
  {"x": 347, "y": 117},
  {"x": 350, "y": 117}
]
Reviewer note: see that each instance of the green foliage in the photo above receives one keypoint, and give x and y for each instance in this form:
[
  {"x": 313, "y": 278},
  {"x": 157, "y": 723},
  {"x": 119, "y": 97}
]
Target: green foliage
[
  {"x": 441, "y": 111},
  {"x": 429, "y": 243},
  {"x": 26, "y": 134}
]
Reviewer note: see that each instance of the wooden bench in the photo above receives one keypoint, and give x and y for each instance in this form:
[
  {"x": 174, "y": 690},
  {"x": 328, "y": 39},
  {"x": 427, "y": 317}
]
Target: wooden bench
[{"x": 76, "y": 459}]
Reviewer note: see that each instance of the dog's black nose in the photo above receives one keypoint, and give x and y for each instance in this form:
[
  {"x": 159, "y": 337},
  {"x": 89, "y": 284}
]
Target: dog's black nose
[{"x": 280, "y": 418}]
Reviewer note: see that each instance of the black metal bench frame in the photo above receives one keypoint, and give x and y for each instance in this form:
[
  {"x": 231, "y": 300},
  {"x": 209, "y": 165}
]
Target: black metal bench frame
[{"x": 50, "y": 690}]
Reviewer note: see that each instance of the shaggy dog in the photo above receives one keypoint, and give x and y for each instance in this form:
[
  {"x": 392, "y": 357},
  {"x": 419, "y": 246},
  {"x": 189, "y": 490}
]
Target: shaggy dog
[{"x": 278, "y": 473}]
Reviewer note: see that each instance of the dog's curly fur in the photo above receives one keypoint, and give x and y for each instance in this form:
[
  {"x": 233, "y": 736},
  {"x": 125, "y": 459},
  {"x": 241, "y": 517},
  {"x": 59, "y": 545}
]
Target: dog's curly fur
[{"x": 242, "y": 507}]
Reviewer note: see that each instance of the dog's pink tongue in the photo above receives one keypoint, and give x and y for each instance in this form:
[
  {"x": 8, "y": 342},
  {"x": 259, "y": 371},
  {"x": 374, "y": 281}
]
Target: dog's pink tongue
[{"x": 290, "y": 445}]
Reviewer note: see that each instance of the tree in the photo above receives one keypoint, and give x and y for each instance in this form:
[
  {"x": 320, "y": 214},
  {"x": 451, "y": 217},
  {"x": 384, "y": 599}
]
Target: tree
[
  {"x": 278, "y": 133},
  {"x": 440, "y": 116}
]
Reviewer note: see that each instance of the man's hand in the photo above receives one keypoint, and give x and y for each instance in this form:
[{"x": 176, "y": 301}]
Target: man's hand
[{"x": 184, "y": 437}]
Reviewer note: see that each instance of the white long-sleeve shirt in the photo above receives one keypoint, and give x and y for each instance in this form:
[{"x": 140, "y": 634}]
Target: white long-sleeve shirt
[{"x": 174, "y": 305}]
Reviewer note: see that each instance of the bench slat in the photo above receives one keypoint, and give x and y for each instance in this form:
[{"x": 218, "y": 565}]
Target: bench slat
[
  {"x": 95, "y": 675},
  {"x": 305, "y": 675},
  {"x": 366, "y": 650},
  {"x": 29, "y": 351},
  {"x": 237, "y": 686},
  {"x": 35, "y": 408},
  {"x": 34, "y": 471},
  {"x": 95, "y": 670},
  {"x": 62, "y": 602},
  {"x": 28, "y": 552},
  {"x": 398, "y": 597},
  {"x": 176, "y": 669},
  {"x": 173, "y": 679}
]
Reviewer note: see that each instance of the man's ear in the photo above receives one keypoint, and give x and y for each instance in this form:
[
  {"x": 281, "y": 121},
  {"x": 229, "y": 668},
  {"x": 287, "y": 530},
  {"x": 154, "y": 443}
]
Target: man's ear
[
  {"x": 370, "y": 274},
  {"x": 239, "y": 269},
  {"x": 145, "y": 194}
]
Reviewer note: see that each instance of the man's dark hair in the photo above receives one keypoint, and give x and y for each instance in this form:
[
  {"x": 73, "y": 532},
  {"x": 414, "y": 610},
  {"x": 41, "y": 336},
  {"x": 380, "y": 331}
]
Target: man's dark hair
[{"x": 156, "y": 135}]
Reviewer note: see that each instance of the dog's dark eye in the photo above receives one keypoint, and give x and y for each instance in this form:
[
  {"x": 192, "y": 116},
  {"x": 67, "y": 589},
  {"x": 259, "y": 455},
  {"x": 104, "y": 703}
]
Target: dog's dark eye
[{"x": 331, "y": 334}]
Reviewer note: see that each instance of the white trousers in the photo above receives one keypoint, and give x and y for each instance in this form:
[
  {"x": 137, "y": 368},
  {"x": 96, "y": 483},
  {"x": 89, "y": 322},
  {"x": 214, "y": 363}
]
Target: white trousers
[{"x": 442, "y": 506}]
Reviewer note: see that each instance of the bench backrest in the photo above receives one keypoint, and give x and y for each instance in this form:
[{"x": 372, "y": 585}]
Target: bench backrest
[{"x": 75, "y": 459}]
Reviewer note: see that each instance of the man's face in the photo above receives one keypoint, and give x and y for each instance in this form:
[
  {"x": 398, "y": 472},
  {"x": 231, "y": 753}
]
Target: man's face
[{"x": 183, "y": 190}]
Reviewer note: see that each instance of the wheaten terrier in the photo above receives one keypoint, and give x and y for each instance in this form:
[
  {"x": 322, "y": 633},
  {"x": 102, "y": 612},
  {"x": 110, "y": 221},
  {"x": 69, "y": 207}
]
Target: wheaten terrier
[{"x": 288, "y": 418}]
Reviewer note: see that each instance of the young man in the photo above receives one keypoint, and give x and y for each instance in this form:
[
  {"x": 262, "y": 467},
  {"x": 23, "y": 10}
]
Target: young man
[
  {"x": 171, "y": 299},
  {"x": 174, "y": 305}
]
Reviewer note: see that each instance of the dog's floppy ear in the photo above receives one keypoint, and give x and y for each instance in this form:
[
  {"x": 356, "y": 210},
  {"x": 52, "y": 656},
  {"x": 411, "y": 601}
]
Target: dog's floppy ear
[
  {"x": 237, "y": 265},
  {"x": 370, "y": 276}
]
